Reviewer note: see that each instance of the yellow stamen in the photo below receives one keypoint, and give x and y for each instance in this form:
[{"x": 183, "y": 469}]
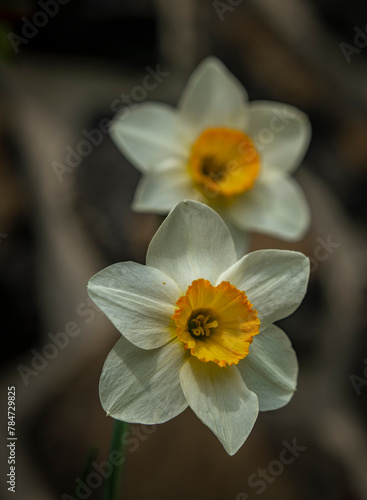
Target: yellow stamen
[
  {"x": 202, "y": 325},
  {"x": 224, "y": 163},
  {"x": 216, "y": 323}
]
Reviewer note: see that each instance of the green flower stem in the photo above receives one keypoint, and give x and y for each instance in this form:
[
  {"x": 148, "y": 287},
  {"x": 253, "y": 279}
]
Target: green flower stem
[
  {"x": 88, "y": 465},
  {"x": 113, "y": 482}
]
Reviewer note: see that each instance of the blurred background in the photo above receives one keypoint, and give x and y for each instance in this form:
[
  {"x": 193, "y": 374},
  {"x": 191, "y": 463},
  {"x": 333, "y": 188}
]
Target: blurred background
[{"x": 66, "y": 67}]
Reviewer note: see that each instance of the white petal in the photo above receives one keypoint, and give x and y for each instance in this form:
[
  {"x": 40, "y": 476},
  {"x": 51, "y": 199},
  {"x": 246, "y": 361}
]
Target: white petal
[
  {"x": 149, "y": 134},
  {"x": 143, "y": 386},
  {"x": 240, "y": 237},
  {"x": 163, "y": 187},
  {"x": 271, "y": 368},
  {"x": 221, "y": 400},
  {"x": 192, "y": 243},
  {"x": 139, "y": 300},
  {"x": 213, "y": 97},
  {"x": 281, "y": 134},
  {"x": 275, "y": 206},
  {"x": 275, "y": 282}
]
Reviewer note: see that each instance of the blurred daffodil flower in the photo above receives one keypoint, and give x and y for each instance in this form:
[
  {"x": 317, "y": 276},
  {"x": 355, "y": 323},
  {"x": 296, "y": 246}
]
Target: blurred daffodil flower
[
  {"x": 216, "y": 147},
  {"x": 197, "y": 328}
]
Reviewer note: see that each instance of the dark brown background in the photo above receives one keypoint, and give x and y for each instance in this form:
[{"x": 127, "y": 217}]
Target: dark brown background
[{"x": 56, "y": 235}]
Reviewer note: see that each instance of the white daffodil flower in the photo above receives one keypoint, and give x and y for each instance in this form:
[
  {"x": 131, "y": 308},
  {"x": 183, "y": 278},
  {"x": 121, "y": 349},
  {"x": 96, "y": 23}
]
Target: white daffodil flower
[
  {"x": 216, "y": 147},
  {"x": 197, "y": 328}
]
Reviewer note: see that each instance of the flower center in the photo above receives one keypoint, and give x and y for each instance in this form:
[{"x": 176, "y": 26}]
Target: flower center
[
  {"x": 224, "y": 162},
  {"x": 199, "y": 324},
  {"x": 216, "y": 323}
]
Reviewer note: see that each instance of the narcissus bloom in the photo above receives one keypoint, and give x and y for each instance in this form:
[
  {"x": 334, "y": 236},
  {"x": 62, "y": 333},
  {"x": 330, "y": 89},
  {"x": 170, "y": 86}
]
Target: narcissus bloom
[
  {"x": 216, "y": 147},
  {"x": 197, "y": 328}
]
